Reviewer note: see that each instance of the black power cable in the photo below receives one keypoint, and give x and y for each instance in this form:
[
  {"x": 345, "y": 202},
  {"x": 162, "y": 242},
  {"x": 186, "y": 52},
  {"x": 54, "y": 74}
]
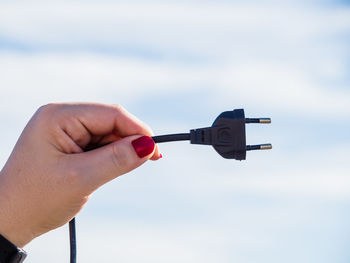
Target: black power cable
[
  {"x": 73, "y": 241},
  {"x": 171, "y": 137},
  {"x": 227, "y": 135}
]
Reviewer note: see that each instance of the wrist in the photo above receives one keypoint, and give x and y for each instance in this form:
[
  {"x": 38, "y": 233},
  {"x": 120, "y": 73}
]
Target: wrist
[{"x": 11, "y": 226}]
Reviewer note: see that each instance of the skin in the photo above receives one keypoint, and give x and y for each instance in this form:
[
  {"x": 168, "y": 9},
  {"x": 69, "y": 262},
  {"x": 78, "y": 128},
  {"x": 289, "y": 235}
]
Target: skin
[{"x": 49, "y": 177}]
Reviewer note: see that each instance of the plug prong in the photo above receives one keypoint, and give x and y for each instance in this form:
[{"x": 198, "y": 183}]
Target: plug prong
[
  {"x": 259, "y": 147},
  {"x": 257, "y": 120}
]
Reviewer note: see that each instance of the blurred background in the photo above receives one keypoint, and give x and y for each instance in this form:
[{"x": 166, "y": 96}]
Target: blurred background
[{"x": 176, "y": 65}]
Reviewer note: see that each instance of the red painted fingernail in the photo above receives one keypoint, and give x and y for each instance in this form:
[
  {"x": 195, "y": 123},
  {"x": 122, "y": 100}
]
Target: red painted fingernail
[
  {"x": 143, "y": 146},
  {"x": 160, "y": 156}
]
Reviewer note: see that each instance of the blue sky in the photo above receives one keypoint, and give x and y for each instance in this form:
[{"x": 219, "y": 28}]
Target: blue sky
[{"x": 177, "y": 65}]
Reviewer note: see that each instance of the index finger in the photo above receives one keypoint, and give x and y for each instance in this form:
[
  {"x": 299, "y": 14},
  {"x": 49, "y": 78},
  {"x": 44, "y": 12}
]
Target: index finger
[{"x": 103, "y": 119}]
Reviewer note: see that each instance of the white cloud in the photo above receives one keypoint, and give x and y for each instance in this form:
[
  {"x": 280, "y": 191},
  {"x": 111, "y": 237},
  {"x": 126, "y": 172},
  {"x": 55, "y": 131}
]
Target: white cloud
[
  {"x": 269, "y": 55},
  {"x": 287, "y": 89},
  {"x": 205, "y": 29},
  {"x": 33, "y": 80}
]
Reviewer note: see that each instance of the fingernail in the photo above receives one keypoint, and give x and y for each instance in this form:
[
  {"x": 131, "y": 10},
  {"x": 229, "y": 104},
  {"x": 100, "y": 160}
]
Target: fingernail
[
  {"x": 143, "y": 146},
  {"x": 160, "y": 156}
]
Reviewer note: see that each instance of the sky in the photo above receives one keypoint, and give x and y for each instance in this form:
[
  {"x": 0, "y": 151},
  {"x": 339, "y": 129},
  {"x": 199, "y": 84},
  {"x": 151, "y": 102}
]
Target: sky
[{"x": 177, "y": 65}]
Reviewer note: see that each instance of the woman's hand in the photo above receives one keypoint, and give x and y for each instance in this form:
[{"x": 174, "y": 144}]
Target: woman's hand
[{"x": 49, "y": 176}]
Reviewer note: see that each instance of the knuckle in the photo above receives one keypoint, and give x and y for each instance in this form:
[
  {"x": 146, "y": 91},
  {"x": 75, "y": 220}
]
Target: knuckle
[
  {"x": 46, "y": 116},
  {"x": 48, "y": 109},
  {"x": 118, "y": 107},
  {"x": 119, "y": 110},
  {"x": 119, "y": 158}
]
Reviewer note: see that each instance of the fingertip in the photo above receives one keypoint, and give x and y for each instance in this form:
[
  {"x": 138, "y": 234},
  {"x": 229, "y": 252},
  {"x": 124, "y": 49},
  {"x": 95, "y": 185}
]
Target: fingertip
[{"x": 157, "y": 155}]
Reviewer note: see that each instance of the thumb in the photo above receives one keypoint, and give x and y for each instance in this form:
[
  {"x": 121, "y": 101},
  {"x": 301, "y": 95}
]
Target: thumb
[{"x": 101, "y": 165}]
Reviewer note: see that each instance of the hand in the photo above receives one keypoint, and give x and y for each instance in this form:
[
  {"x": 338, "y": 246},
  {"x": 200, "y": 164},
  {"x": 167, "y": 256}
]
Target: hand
[{"x": 48, "y": 177}]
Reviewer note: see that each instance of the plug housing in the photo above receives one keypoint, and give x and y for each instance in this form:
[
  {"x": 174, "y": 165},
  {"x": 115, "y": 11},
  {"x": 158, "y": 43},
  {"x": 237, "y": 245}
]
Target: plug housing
[{"x": 227, "y": 135}]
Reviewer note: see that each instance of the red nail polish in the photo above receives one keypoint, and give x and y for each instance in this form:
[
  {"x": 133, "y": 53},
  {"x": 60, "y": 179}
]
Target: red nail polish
[
  {"x": 160, "y": 156},
  {"x": 143, "y": 146}
]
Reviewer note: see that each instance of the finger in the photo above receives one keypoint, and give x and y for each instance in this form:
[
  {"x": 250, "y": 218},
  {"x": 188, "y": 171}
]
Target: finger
[
  {"x": 101, "y": 119},
  {"x": 101, "y": 165},
  {"x": 112, "y": 138}
]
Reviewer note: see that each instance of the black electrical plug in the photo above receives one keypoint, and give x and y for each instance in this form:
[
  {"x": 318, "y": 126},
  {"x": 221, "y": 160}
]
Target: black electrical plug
[{"x": 227, "y": 135}]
